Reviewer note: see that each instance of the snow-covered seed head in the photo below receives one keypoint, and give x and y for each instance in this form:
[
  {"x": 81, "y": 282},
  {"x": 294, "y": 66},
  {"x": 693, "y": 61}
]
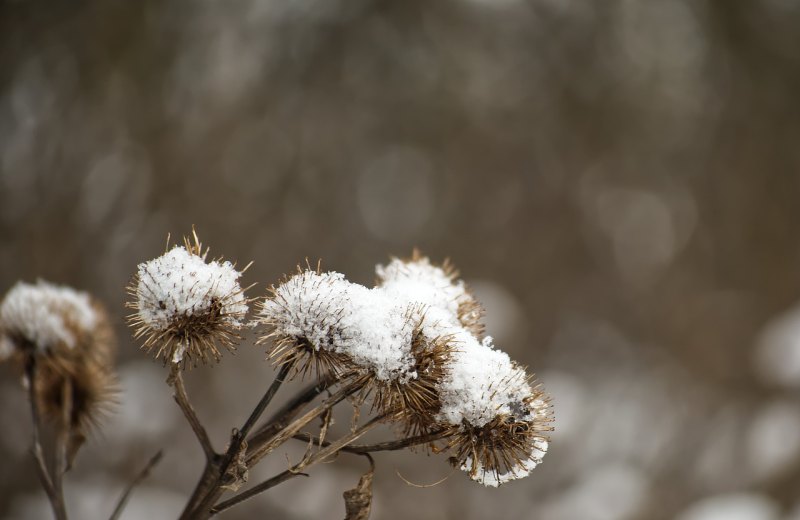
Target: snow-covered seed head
[
  {"x": 415, "y": 402},
  {"x": 499, "y": 421},
  {"x": 66, "y": 337},
  {"x": 186, "y": 306},
  {"x": 43, "y": 319},
  {"x": 302, "y": 317},
  {"x": 417, "y": 279},
  {"x": 507, "y": 447}
]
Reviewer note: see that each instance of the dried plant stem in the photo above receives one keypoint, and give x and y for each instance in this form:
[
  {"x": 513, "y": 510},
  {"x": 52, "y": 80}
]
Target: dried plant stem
[
  {"x": 265, "y": 400},
  {"x": 289, "y": 411},
  {"x": 331, "y": 449},
  {"x": 181, "y": 397},
  {"x": 209, "y": 488},
  {"x": 56, "y": 501},
  {"x": 394, "y": 445},
  {"x": 256, "y": 453},
  {"x": 123, "y": 499},
  {"x": 62, "y": 438}
]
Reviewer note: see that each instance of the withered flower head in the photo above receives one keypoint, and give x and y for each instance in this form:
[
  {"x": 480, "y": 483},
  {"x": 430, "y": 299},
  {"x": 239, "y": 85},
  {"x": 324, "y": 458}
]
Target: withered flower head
[
  {"x": 184, "y": 306},
  {"x": 414, "y": 400},
  {"x": 66, "y": 335},
  {"x": 302, "y": 317},
  {"x": 416, "y": 340},
  {"x": 418, "y": 279},
  {"x": 46, "y": 319},
  {"x": 321, "y": 321},
  {"x": 500, "y": 422}
]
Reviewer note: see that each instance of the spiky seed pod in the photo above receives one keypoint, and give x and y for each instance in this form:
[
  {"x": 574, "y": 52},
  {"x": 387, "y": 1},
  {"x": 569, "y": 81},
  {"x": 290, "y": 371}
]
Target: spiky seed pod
[
  {"x": 509, "y": 446},
  {"x": 302, "y": 319},
  {"x": 184, "y": 306},
  {"x": 66, "y": 337},
  {"x": 415, "y": 402},
  {"x": 43, "y": 319},
  {"x": 92, "y": 388},
  {"x": 417, "y": 279}
]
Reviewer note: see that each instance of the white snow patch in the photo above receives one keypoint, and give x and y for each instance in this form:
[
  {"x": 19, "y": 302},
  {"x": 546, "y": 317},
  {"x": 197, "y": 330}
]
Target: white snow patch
[
  {"x": 180, "y": 283},
  {"x": 47, "y": 315}
]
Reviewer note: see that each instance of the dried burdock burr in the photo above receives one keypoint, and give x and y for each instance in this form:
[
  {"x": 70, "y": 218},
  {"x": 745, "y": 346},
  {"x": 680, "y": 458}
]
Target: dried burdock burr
[
  {"x": 67, "y": 334},
  {"x": 185, "y": 307},
  {"x": 418, "y": 340},
  {"x": 302, "y": 320},
  {"x": 417, "y": 279}
]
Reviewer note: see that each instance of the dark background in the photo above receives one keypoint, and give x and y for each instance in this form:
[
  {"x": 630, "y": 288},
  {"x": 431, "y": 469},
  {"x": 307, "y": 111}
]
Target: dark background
[{"x": 618, "y": 181}]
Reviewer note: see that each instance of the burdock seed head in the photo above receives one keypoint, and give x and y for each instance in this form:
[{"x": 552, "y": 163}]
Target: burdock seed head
[
  {"x": 47, "y": 320},
  {"x": 500, "y": 421},
  {"x": 186, "y": 306},
  {"x": 417, "y": 279},
  {"x": 64, "y": 339},
  {"x": 414, "y": 401},
  {"x": 302, "y": 318}
]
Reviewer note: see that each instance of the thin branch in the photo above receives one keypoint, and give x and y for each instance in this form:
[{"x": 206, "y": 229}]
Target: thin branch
[
  {"x": 36, "y": 449},
  {"x": 215, "y": 474},
  {"x": 330, "y": 449},
  {"x": 62, "y": 438},
  {"x": 289, "y": 411},
  {"x": 176, "y": 381},
  {"x": 259, "y": 452},
  {"x": 265, "y": 400},
  {"x": 255, "y": 490},
  {"x": 123, "y": 499},
  {"x": 394, "y": 445}
]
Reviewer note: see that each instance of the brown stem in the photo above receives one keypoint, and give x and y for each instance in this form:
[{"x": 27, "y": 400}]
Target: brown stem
[
  {"x": 62, "y": 438},
  {"x": 59, "y": 511},
  {"x": 394, "y": 445},
  {"x": 289, "y": 411},
  {"x": 209, "y": 489},
  {"x": 123, "y": 500},
  {"x": 330, "y": 449},
  {"x": 255, "y": 490},
  {"x": 182, "y": 398},
  {"x": 259, "y": 452},
  {"x": 262, "y": 405}
]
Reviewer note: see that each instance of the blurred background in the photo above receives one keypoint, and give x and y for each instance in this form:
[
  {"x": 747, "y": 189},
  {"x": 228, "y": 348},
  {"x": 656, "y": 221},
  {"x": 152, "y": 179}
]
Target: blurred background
[{"x": 618, "y": 181}]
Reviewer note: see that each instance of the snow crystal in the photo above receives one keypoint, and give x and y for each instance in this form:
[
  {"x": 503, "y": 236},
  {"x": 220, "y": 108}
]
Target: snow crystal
[
  {"x": 47, "y": 315},
  {"x": 491, "y": 478},
  {"x": 180, "y": 283}
]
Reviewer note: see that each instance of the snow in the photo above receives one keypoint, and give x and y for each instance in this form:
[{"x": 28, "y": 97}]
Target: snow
[
  {"x": 45, "y": 314},
  {"x": 180, "y": 283},
  {"x": 422, "y": 282}
]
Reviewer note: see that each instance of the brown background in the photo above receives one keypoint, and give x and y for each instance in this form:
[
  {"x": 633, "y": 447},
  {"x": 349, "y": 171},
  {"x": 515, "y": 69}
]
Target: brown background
[{"x": 618, "y": 180}]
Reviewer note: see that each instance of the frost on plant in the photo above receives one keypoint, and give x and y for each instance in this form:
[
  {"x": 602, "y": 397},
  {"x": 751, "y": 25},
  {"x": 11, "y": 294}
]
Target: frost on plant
[
  {"x": 417, "y": 336},
  {"x": 185, "y": 305}
]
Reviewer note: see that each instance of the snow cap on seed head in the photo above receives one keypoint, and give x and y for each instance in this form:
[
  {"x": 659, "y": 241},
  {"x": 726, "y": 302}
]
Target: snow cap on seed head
[{"x": 185, "y": 305}]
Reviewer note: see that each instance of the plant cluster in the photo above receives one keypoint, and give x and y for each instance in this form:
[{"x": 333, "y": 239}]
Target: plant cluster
[{"x": 412, "y": 349}]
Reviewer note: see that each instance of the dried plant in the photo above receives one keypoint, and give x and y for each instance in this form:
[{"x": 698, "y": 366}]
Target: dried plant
[
  {"x": 413, "y": 347},
  {"x": 61, "y": 342}
]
